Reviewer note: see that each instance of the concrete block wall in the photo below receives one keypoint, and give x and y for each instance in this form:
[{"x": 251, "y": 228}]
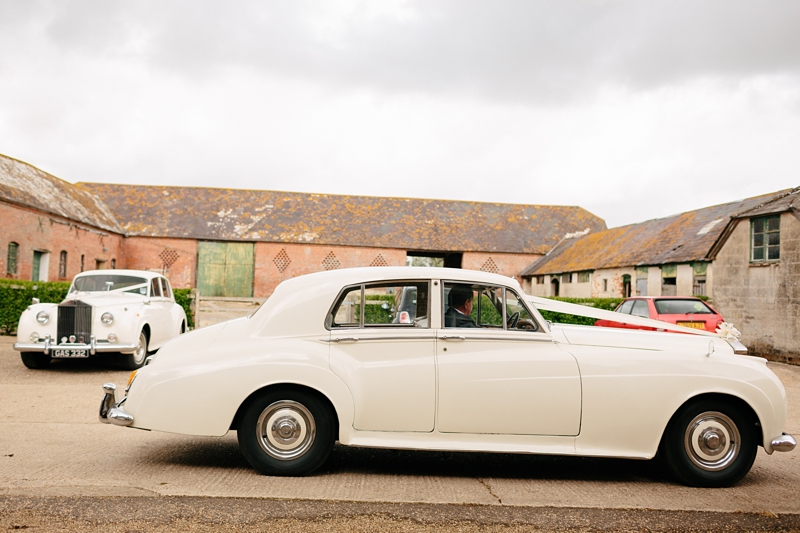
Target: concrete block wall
[
  {"x": 38, "y": 231},
  {"x": 762, "y": 300}
]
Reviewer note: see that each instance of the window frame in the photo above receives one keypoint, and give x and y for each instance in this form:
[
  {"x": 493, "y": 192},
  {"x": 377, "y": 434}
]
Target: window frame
[
  {"x": 337, "y": 302},
  {"x": 765, "y": 247},
  {"x": 15, "y": 262},
  {"x": 504, "y": 313}
]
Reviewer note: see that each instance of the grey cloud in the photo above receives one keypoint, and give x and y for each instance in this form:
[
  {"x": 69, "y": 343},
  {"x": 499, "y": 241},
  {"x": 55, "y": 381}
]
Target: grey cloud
[{"x": 518, "y": 50}]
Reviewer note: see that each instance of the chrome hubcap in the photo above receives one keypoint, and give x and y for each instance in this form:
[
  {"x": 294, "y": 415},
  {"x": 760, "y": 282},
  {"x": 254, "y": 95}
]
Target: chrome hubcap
[
  {"x": 712, "y": 441},
  {"x": 140, "y": 352},
  {"x": 286, "y": 430}
]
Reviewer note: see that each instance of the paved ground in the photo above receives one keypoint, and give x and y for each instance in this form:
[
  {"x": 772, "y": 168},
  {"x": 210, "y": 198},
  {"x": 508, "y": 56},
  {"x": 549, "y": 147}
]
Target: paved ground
[{"x": 59, "y": 466}]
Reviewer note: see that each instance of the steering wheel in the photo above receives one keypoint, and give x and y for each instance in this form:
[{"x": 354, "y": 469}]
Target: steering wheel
[{"x": 512, "y": 320}]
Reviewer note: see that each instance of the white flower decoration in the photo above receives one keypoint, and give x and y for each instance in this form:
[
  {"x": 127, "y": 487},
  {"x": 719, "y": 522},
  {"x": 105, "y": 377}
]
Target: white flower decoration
[{"x": 728, "y": 332}]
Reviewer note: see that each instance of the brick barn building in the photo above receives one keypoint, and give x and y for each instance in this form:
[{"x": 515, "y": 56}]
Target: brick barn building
[{"x": 233, "y": 242}]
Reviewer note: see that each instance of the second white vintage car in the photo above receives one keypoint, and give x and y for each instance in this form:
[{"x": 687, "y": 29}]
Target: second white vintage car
[
  {"x": 128, "y": 312},
  {"x": 470, "y": 366}
]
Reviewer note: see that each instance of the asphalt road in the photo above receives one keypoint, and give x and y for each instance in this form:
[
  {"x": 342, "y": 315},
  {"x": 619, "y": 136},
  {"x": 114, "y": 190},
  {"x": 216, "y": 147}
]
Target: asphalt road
[{"x": 60, "y": 469}]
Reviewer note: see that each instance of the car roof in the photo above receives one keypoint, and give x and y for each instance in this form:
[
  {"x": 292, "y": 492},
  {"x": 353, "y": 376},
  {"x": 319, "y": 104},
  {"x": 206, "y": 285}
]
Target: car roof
[
  {"x": 121, "y": 272},
  {"x": 348, "y": 276}
]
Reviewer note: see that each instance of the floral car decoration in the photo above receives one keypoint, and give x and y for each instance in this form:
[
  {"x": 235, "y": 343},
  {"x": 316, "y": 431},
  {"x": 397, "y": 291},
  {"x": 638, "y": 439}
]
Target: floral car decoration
[
  {"x": 127, "y": 312},
  {"x": 381, "y": 357}
]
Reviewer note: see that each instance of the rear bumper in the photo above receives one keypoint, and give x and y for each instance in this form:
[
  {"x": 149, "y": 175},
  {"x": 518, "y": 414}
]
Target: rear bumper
[
  {"x": 93, "y": 346},
  {"x": 784, "y": 443},
  {"x": 111, "y": 411}
]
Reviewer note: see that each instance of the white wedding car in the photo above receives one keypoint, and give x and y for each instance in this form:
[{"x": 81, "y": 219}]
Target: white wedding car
[
  {"x": 326, "y": 359},
  {"x": 128, "y": 312}
]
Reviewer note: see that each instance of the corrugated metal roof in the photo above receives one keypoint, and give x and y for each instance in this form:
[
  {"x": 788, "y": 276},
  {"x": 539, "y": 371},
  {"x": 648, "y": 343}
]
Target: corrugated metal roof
[
  {"x": 24, "y": 184},
  {"x": 413, "y": 224},
  {"x": 681, "y": 238}
]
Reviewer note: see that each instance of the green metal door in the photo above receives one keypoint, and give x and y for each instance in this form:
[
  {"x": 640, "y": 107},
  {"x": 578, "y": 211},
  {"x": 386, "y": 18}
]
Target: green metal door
[{"x": 225, "y": 268}]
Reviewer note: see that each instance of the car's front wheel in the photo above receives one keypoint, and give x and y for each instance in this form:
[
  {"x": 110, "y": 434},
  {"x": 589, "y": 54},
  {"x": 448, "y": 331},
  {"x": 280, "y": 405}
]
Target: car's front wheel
[
  {"x": 711, "y": 443},
  {"x": 35, "y": 360},
  {"x": 132, "y": 361},
  {"x": 286, "y": 432}
]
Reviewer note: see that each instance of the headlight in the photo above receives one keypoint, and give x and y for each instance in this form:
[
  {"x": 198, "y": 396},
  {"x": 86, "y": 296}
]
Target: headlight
[
  {"x": 107, "y": 319},
  {"x": 42, "y": 317}
]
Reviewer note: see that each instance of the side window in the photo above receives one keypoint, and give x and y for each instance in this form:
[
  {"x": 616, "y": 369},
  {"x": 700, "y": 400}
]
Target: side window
[
  {"x": 640, "y": 309},
  {"x": 390, "y": 304},
  {"x": 165, "y": 288},
  {"x": 626, "y": 307},
  {"x": 155, "y": 290},
  {"x": 472, "y": 306},
  {"x": 517, "y": 315}
]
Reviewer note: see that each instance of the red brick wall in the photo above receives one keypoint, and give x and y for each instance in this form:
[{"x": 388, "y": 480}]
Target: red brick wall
[
  {"x": 177, "y": 258},
  {"x": 506, "y": 264},
  {"x": 37, "y": 231},
  {"x": 276, "y": 262}
]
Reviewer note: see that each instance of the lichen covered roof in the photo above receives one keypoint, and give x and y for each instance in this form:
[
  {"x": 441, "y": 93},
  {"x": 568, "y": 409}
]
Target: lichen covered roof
[
  {"x": 24, "y": 184},
  {"x": 788, "y": 200},
  {"x": 682, "y": 238},
  {"x": 406, "y": 223}
]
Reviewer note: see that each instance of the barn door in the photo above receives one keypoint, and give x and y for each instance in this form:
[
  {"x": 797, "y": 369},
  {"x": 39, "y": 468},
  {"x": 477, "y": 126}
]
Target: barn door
[{"x": 225, "y": 269}]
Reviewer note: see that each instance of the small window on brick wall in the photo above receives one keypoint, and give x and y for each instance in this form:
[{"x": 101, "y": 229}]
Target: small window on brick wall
[
  {"x": 282, "y": 260},
  {"x": 62, "y": 264},
  {"x": 379, "y": 261},
  {"x": 11, "y": 258},
  {"x": 566, "y": 278},
  {"x": 490, "y": 266},
  {"x": 330, "y": 262},
  {"x": 765, "y": 239}
]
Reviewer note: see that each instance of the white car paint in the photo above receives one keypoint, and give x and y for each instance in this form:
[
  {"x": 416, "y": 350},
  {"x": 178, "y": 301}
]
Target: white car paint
[
  {"x": 133, "y": 313},
  {"x": 570, "y": 390}
]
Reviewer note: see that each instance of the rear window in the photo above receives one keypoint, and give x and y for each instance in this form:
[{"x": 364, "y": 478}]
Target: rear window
[{"x": 682, "y": 307}]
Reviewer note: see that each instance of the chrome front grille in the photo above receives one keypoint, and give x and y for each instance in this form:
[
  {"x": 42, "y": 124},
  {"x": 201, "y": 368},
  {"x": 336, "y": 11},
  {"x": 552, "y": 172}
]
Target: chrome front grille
[{"x": 74, "y": 318}]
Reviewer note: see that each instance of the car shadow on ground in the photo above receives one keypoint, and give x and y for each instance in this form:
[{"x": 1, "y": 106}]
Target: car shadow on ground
[{"x": 224, "y": 453}]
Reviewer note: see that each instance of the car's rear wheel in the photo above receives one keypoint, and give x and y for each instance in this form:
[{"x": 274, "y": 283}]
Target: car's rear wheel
[
  {"x": 132, "y": 361},
  {"x": 35, "y": 360},
  {"x": 711, "y": 443},
  {"x": 286, "y": 432}
]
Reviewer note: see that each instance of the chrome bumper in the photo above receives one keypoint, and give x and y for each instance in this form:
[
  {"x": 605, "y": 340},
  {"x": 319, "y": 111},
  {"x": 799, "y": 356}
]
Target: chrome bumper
[
  {"x": 94, "y": 347},
  {"x": 111, "y": 411},
  {"x": 784, "y": 443}
]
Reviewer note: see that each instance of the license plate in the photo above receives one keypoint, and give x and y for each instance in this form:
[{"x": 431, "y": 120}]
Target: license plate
[
  {"x": 693, "y": 325},
  {"x": 70, "y": 352}
]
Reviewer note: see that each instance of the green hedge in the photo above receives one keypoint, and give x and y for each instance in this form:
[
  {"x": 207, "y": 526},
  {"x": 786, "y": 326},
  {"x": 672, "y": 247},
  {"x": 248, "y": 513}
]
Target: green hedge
[
  {"x": 16, "y": 295},
  {"x": 183, "y": 298},
  {"x": 608, "y": 304}
]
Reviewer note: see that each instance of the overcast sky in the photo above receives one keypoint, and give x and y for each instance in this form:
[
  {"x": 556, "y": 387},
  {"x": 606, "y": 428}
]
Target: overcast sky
[{"x": 632, "y": 110}]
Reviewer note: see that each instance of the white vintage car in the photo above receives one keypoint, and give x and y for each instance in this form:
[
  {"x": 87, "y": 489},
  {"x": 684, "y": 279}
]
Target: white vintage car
[
  {"x": 128, "y": 312},
  {"x": 472, "y": 367}
]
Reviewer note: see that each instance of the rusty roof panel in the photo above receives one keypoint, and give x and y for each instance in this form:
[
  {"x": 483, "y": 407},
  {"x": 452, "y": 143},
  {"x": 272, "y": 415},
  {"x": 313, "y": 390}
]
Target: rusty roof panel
[
  {"x": 26, "y": 185},
  {"x": 273, "y": 216},
  {"x": 677, "y": 239}
]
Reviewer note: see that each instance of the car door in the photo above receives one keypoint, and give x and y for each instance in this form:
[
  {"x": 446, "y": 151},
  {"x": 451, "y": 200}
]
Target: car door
[
  {"x": 504, "y": 378},
  {"x": 387, "y": 364}
]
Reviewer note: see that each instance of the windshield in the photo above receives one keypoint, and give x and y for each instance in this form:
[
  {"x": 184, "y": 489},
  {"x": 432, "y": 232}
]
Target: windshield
[
  {"x": 105, "y": 282},
  {"x": 682, "y": 307}
]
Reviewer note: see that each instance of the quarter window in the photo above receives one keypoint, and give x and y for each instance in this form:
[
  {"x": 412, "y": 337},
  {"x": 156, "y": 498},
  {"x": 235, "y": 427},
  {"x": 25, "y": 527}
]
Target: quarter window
[
  {"x": 11, "y": 258},
  {"x": 165, "y": 288},
  {"x": 155, "y": 291},
  {"x": 389, "y": 304},
  {"x": 765, "y": 239}
]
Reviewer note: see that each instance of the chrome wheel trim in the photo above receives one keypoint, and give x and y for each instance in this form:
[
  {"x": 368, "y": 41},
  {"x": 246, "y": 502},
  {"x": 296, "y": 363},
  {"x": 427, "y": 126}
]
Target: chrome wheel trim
[
  {"x": 286, "y": 430},
  {"x": 140, "y": 353},
  {"x": 712, "y": 441}
]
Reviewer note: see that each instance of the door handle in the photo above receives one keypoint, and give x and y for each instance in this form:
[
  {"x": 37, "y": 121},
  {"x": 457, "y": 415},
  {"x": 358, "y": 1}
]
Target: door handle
[
  {"x": 339, "y": 339},
  {"x": 453, "y": 337}
]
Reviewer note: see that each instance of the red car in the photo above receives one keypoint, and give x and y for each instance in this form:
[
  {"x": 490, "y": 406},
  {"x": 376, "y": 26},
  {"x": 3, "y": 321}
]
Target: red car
[{"x": 681, "y": 310}]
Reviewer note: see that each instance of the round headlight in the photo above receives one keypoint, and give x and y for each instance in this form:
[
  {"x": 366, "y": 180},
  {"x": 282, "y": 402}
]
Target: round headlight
[
  {"x": 42, "y": 317},
  {"x": 107, "y": 319}
]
